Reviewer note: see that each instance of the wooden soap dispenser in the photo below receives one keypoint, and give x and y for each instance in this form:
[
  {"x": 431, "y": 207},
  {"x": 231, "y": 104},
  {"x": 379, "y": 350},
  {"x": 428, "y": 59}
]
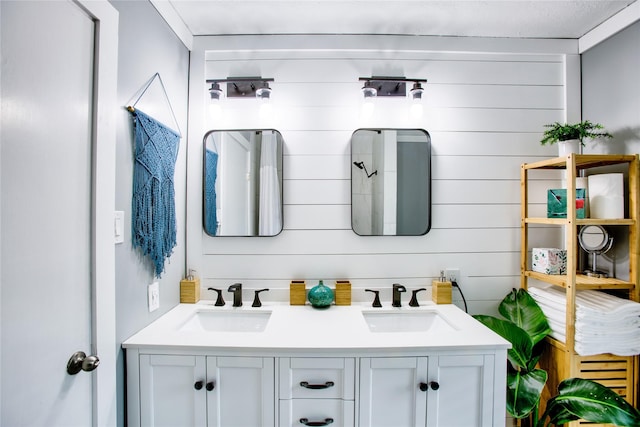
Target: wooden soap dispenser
[
  {"x": 190, "y": 289},
  {"x": 441, "y": 290}
]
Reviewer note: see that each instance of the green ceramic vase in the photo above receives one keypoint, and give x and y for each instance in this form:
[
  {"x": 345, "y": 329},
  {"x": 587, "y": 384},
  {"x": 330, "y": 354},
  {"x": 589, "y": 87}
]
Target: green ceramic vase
[{"x": 320, "y": 296}]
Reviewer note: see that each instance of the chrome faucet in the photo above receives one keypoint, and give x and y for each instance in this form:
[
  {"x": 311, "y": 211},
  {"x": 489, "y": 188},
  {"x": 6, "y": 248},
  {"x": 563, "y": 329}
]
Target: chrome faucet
[
  {"x": 236, "y": 288},
  {"x": 397, "y": 290}
]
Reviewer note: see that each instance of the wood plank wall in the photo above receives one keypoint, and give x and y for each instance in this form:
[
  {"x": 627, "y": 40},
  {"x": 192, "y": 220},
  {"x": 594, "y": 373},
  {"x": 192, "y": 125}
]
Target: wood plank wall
[{"x": 485, "y": 113}]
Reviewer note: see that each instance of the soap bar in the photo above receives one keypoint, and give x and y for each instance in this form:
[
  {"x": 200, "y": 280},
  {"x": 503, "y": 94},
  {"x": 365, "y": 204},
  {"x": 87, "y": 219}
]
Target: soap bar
[
  {"x": 441, "y": 292},
  {"x": 190, "y": 290},
  {"x": 343, "y": 292},
  {"x": 297, "y": 292}
]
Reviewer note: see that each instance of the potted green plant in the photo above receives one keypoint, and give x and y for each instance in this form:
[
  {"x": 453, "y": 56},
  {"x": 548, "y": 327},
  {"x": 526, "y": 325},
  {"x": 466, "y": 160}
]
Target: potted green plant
[
  {"x": 571, "y": 137},
  {"x": 524, "y": 326}
]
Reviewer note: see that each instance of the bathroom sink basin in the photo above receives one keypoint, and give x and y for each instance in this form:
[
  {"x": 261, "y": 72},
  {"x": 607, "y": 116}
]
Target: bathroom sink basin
[
  {"x": 407, "y": 321},
  {"x": 227, "y": 321}
]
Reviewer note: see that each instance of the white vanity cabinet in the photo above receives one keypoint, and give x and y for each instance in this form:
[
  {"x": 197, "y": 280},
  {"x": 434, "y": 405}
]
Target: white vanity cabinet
[
  {"x": 315, "y": 367},
  {"x": 199, "y": 390},
  {"x": 435, "y": 390},
  {"x": 316, "y": 391}
]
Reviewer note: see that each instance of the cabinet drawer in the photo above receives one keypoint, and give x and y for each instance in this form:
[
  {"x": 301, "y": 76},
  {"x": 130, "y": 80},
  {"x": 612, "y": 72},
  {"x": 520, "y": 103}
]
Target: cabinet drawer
[
  {"x": 317, "y": 378},
  {"x": 334, "y": 412}
]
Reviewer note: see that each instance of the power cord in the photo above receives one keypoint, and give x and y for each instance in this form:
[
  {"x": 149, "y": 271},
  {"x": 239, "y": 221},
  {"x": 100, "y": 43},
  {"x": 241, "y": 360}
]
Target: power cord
[{"x": 455, "y": 285}]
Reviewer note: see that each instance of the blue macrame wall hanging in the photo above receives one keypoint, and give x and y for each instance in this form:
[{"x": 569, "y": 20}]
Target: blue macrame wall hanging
[{"x": 153, "y": 213}]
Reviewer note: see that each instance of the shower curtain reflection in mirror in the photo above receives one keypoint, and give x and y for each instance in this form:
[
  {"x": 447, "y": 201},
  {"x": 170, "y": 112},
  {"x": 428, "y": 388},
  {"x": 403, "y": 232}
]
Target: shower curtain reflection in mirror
[{"x": 242, "y": 183}]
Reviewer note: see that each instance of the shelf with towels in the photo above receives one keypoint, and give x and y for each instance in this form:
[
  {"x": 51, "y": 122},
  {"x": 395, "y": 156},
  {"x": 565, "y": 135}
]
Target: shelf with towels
[{"x": 560, "y": 359}]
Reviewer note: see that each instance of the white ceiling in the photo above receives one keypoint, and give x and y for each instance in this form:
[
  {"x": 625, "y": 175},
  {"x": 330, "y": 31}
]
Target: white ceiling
[{"x": 493, "y": 18}]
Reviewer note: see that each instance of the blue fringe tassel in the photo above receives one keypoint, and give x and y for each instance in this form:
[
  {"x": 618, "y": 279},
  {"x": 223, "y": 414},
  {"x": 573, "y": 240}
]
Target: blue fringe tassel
[{"x": 153, "y": 203}]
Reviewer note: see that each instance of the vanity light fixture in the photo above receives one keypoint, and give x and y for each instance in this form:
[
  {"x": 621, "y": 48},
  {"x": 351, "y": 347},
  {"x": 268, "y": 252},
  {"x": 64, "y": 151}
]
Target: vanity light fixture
[
  {"x": 391, "y": 86},
  {"x": 242, "y": 87},
  {"x": 381, "y": 86},
  {"x": 238, "y": 87}
]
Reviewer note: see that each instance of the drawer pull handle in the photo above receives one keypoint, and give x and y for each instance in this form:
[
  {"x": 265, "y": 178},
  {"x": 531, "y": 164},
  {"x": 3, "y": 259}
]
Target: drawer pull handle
[
  {"x": 431, "y": 384},
  {"x": 326, "y": 422},
  {"x": 198, "y": 385},
  {"x": 305, "y": 384},
  {"x": 210, "y": 386}
]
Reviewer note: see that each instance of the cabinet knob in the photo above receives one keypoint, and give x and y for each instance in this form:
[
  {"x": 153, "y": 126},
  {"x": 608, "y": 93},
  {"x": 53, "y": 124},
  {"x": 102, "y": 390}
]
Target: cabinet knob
[
  {"x": 326, "y": 422},
  {"x": 431, "y": 384},
  {"x": 305, "y": 384},
  {"x": 198, "y": 385},
  {"x": 210, "y": 386}
]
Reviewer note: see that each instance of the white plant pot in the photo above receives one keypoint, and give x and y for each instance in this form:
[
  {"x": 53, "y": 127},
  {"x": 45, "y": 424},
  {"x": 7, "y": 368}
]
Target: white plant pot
[{"x": 570, "y": 146}]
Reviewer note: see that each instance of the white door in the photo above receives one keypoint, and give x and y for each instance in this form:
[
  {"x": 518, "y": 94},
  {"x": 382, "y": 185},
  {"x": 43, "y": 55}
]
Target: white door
[
  {"x": 390, "y": 394},
  {"x": 54, "y": 198}
]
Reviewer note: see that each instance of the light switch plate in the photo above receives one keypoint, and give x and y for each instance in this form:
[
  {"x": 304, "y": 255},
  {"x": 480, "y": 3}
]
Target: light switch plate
[{"x": 153, "y": 296}]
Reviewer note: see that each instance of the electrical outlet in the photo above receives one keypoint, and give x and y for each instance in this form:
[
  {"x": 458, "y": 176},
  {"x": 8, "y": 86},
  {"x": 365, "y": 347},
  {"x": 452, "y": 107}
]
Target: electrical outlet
[
  {"x": 452, "y": 274},
  {"x": 153, "y": 296}
]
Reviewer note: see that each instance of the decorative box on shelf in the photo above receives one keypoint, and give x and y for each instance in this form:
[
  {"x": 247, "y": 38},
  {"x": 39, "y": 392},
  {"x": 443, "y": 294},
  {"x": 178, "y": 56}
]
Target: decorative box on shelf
[
  {"x": 557, "y": 203},
  {"x": 549, "y": 260}
]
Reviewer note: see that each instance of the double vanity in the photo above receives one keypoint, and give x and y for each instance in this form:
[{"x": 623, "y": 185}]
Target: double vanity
[{"x": 283, "y": 365}]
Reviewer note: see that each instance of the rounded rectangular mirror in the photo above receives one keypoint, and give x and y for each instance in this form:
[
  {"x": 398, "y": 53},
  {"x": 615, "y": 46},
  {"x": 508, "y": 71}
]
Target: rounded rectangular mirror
[
  {"x": 390, "y": 182},
  {"x": 242, "y": 182}
]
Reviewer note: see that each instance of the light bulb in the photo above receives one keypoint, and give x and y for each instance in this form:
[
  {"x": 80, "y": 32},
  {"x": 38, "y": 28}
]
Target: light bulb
[
  {"x": 415, "y": 94},
  {"x": 215, "y": 110},
  {"x": 265, "y": 110},
  {"x": 416, "y": 110},
  {"x": 215, "y": 106},
  {"x": 264, "y": 93},
  {"x": 369, "y": 92},
  {"x": 368, "y": 106}
]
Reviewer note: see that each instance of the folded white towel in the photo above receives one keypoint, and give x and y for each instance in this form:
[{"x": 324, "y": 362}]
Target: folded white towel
[{"x": 603, "y": 324}]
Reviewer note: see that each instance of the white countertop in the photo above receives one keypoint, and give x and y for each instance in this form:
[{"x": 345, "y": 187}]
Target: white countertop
[{"x": 303, "y": 328}]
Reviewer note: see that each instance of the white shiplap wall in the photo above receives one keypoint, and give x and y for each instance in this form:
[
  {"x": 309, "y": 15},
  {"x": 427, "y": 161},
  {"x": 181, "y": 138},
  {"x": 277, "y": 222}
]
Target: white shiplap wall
[{"x": 485, "y": 113}]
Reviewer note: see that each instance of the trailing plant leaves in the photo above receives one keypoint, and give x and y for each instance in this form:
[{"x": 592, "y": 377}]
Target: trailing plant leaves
[
  {"x": 585, "y": 399},
  {"x": 521, "y": 345},
  {"x": 564, "y": 131},
  {"x": 520, "y": 308},
  {"x": 523, "y": 391}
]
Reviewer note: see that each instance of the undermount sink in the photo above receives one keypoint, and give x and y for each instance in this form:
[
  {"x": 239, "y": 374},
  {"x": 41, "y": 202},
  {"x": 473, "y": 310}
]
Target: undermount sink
[
  {"x": 406, "y": 321},
  {"x": 227, "y": 321}
]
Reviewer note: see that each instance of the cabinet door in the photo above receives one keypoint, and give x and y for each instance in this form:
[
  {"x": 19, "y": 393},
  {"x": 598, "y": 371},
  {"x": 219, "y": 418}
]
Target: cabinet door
[
  {"x": 390, "y": 395},
  {"x": 243, "y": 393},
  {"x": 465, "y": 393},
  {"x": 169, "y": 395}
]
